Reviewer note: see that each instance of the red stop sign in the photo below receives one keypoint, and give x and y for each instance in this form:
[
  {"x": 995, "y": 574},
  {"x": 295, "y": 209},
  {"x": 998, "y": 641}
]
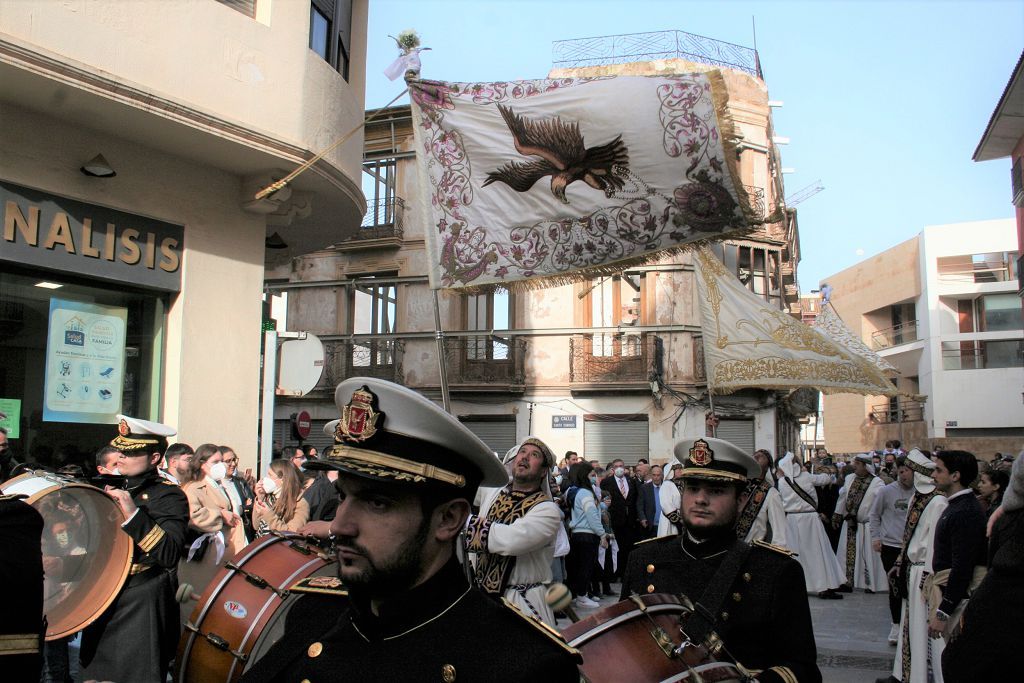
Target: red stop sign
[{"x": 303, "y": 424}]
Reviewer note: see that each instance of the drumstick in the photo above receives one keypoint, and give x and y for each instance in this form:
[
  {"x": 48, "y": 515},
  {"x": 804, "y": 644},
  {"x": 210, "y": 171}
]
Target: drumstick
[{"x": 559, "y": 599}]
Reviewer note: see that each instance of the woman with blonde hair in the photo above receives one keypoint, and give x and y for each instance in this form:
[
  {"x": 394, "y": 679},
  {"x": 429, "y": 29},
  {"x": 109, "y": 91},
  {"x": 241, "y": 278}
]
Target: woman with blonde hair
[
  {"x": 279, "y": 503},
  {"x": 216, "y": 531}
]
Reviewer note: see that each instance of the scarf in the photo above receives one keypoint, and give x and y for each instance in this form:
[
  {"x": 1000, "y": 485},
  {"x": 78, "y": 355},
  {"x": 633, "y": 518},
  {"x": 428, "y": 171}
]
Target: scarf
[
  {"x": 917, "y": 505},
  {"x": 757, "y": 494},
  {"x": 853, "y": 500},
  {"x": 492, "y": 570}
]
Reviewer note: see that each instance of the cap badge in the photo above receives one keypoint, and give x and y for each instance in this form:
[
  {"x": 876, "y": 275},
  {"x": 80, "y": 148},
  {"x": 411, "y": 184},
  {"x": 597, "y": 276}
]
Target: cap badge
[
  {"x": 701, "y": 453},
  {"x": 358, "y": 419},
  {"x": 122, "y": 428}
]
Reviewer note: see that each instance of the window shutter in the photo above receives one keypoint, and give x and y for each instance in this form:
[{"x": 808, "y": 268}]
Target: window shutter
[{"x": 246, "y": 7}]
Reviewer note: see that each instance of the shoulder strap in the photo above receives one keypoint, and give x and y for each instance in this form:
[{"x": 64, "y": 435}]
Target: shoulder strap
[
  {"x": 701, "y": 623},
  {"x": 798, "y": 490}
]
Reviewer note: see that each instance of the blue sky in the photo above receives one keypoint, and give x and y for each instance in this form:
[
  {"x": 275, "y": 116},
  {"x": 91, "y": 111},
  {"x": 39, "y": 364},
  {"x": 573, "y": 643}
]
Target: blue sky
[{"x": 885, "y": 101}]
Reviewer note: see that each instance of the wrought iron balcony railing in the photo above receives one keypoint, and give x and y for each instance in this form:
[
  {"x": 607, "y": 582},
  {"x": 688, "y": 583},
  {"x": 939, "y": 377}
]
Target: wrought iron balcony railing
[
  {"x": 756, "y": 195},
  {"x": 487, "y": 359},
  {"x": 380, "y": 358},
  {"x": 903, "y": 333},
  {"x": 611, "y": 358},
  {"x": 645, "y": 47},
  {"x": 900, "y": 410},
  {"x": 384, "y": 218}
]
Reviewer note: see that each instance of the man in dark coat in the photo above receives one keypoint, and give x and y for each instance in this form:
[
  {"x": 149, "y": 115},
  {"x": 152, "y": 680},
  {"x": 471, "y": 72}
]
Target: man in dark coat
[
  {"x": 408, "y": 472},
  {"x": 650, "y": 502},
  {"x": 135, "y": 638},
  {"x": 753, "y": 597},
  {"x": 624, "y": 492},
  {"x": 21, "y": 571}
]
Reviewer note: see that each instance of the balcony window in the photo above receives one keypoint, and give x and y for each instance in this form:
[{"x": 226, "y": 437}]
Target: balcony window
[
  {"x": 758, "y": 268},
  {"x": 999, "y": 312},
  {"x": 373, "y": 309},
  {"x": 999, "y": 266},
  {"x": 330, "y": 32},
  {"x": 319, "y": 30},
  {"x": 615, "y": 301},
  {"x": 983, "y": 354},
  {"x": 491, "y": 312}
]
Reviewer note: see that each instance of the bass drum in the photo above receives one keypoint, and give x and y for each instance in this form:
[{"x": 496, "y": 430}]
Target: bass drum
[
  {"x": 86, "y": 555},
  {"x": 637, "y": 639},
  {"x": 242, "y": 612}
]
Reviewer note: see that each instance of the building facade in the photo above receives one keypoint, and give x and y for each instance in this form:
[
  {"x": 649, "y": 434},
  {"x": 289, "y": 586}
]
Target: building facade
[
  {"x": 134, "y": 139},
  {"x": 941, "y": 307},
  {"x": 612, "y": 367}
]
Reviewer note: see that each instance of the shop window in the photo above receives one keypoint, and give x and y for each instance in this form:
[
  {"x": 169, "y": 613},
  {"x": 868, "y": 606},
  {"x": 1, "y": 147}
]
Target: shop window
[{"x": 73, "y": 354}]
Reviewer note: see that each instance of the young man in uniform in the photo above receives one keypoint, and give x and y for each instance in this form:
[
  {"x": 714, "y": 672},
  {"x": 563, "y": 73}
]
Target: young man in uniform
[
  {"x": 407, "y": 474},
  {"x": 135, "y": 638},
  {"x": 751, "y": 596}
]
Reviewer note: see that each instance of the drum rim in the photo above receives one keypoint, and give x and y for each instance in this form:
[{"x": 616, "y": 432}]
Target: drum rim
[
  {"x": 658, "y": 608},
  {"x": 58, "y": 484}
]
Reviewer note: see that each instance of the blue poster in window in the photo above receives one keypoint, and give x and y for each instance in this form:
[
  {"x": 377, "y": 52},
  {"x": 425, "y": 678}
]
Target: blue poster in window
[{"x": 85, "y": 349}]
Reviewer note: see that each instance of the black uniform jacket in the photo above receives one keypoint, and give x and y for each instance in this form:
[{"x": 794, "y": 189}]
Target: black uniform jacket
[
  {"x": 442, "y": 630},
  {"x": 765, "y": 621},
  {"x": 21, "y": 572}
]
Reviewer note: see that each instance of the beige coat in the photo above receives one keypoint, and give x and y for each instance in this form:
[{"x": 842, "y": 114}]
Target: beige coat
[
  {"x": 275, "y": 523},
  {"x": 205, "y": 503}
]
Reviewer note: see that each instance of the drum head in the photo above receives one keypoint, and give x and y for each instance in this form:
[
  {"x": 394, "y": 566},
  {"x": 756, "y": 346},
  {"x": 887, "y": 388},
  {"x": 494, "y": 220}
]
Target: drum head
[{"x": 86, "y": 555}]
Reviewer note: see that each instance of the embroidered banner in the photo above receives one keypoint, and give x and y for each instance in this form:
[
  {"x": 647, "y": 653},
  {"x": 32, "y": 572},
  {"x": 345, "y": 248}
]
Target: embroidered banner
[
  {"x": 532, "y": 183},
  {"x": 832, "y": 326},
  {"x": 750, "y": 344}
]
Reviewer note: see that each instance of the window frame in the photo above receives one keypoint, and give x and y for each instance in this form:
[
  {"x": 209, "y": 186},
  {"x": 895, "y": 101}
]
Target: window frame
[
  {"x": 490, "y": 341},
  {"x": 610, "y": 344}
]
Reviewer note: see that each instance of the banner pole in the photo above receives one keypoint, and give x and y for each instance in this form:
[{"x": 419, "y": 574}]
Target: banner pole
[{"x": 442, "y": 363}]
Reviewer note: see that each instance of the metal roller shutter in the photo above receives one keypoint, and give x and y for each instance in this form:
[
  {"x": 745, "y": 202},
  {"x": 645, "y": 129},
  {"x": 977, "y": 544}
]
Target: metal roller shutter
[
  {"x": 284, "y": 437},
  {"x": 606, "y": 440},
  {"x": 499, "y": 435},
  {"x": 739, "y": 433}
]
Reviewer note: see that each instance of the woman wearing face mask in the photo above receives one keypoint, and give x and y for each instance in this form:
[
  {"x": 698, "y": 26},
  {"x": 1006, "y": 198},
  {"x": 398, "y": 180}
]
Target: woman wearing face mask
[
  {"x": 216, "y": 528},
  {"x": 279, "y": 502},
  {"x": 587, "y": 533}
]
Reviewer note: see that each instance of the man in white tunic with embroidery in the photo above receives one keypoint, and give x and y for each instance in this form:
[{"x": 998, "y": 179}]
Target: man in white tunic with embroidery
[
  {"x": 918, "y": 657},
  {"x": 805, "y": 532},
  {"x": 514, "y": 535},
  {"x": 670, "y": 522},
  {"x": 763, "y": 516},
  {"x": 861, "y": 563}
]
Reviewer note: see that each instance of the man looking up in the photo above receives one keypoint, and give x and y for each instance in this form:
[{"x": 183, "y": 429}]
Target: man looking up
[
  {"x": 751, "y": 596},
  {"x": 514, "y": 534}
]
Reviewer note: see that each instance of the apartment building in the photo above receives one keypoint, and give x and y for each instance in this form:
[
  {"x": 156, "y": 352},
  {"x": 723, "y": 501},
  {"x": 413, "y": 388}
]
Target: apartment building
[
  {"x": 609, "y": 368},
  {"x": 942, "y": 307}
]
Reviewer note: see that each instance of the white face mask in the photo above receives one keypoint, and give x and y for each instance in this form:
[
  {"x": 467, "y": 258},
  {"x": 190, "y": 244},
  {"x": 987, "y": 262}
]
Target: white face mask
[
  {"x": 269, "y": 485},
  {"x": 620, "y": 471},
  {"x": 62, "y": 538},
  {"x": 218, "y": 471},
  {"x": 558, "y": 479},
  {"x": 116, "y": 471}
]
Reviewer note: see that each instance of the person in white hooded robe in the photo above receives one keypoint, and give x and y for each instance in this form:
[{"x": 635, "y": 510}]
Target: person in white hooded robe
[
  {"x": 805, "y": 532},
  {"x": 918, "y": 657},
  {"x": 862, "y": 564},
  {"x": 513, "y": 536},
  {"x": 670, "y": 522}
]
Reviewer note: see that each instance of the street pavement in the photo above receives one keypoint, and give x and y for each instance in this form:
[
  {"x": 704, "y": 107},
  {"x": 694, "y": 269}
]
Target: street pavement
[{"x": 850, "y": 634}]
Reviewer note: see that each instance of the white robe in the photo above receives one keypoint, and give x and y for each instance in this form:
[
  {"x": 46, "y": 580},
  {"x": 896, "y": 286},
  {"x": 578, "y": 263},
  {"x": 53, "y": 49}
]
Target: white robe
[
  {"x": 868, "y": 571},
  {"x": 772, "y": 512},
  {"x": 806, "y": 534},
  {"x": 670, "y": 501},
  {"x": 531, "y": 539},
  {"x": 914, "y": 618}
]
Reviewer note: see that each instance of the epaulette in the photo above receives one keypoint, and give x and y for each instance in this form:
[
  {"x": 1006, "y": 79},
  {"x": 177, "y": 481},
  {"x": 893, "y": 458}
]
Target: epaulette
[
  {"x": 656, "y": 538},
  {"x": 548, "y": 632},
  {"x": 776, "y": 548},
  {"x": 325, "y": 585}
]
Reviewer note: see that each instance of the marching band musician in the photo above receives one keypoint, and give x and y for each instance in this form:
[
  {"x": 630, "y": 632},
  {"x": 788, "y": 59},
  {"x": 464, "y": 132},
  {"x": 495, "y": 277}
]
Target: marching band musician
[
  {"x": 135, "y": 638},
  {"x": 751, "y": 596},
  {"x": 514, "y": 534},
  {"x": 21, "y": 629},
  {"x": 407, "y": 473}
]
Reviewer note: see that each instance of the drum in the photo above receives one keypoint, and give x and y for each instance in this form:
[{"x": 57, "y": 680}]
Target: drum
[
  {"x": 86, "y": 555},
  {"x": 242, "y": 612},
  {"x": 640, "y": 640}
]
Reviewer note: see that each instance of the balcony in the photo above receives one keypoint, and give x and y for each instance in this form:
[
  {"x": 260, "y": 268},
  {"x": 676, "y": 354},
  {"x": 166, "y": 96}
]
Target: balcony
[
  {"x": 646, "y": 47},
  {"x": 490, "y": 361},
  {"x": 756, "y": 195},
  {"x": 983, "y": 354},
  {"x": 897, "y": 411},
  {"x": 611, "y": 359},
  {"x": 381, "y": 358},
  {"x": 382, "y": 226},
  {"x": 903, "y": 333}
]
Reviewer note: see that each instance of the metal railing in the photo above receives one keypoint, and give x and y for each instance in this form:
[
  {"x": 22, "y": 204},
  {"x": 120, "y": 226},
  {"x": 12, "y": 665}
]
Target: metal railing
[
  {"x": 645, "y": 47},
  {"x": 756, "y": 195},
  {"x": 1017, "y": 182},
  {"x": 983, "y": 354},
  {"x": 381, "y": 358},
  {"x": 487, "y": 359},
  {"x": 899, "y": 410},
  {"x": 383, "y": 218},
  {"x": 611, "y": 358},
  {"x": 904, "y": 333}
]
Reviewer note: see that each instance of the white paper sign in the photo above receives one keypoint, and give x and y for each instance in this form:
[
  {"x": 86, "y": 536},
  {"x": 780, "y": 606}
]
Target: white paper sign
[{"x": 84, "y": 362}]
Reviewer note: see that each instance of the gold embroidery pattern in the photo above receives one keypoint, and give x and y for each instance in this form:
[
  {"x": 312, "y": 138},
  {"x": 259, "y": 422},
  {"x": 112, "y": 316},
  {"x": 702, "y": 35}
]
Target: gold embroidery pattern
[
  {"x": 856, "y": 496},
  {"x": 492, "y": 570},
  {"x": 150, "y": 540}
]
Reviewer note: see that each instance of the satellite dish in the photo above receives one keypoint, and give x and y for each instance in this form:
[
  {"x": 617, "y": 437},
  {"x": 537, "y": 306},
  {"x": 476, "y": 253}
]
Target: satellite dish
[{"x": 300, "y": 366}]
